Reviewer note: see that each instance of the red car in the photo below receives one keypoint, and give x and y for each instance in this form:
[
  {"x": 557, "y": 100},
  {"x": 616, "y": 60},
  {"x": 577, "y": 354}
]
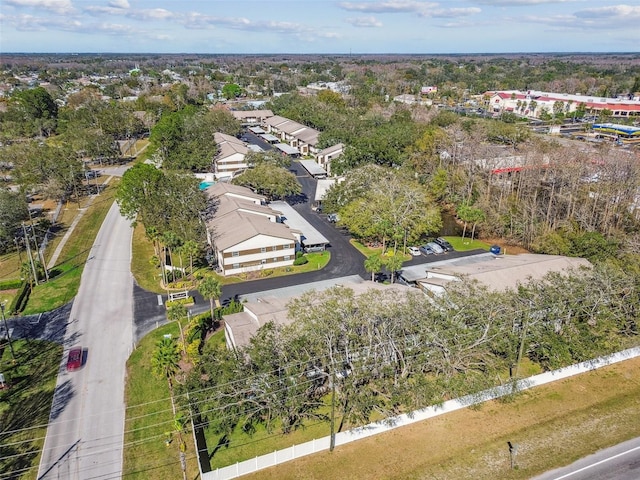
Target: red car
[{"x": 74, "y": 360}]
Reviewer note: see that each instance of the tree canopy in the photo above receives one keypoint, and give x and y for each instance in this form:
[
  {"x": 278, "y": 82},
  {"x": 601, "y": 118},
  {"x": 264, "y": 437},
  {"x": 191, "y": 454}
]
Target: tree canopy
[
  {"x": 380, "y": 204},
  {"x": 165, "y": 201},
  {"x": 13, "y": 210},
  {"x": 184, "y": 139},
  {"x": 269, "y": 180}
]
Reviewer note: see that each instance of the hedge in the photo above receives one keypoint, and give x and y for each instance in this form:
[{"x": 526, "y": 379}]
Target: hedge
[
  {"x": 180, "y": 301},
  {"x": 20, "y": 300},
  {"x": 10, "y": 284}
]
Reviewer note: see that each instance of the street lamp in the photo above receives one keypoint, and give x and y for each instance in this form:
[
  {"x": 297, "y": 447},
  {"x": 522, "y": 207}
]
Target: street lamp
[{"x": 6, "y": 327}]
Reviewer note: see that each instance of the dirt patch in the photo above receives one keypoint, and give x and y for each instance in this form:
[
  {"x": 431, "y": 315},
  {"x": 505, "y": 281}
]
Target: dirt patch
[{"x": 505, "y": 246}]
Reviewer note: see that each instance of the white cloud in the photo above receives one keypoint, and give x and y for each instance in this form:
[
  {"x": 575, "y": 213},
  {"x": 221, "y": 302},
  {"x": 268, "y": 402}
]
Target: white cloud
[
  {"x": 615, "y": 17},
  {"x": 120, "y": 4},
  {"x": 151, "y": 14},
  {"x": 520, "y": 3},
  {"x": 62, "y": 7},
  {"x": 423, "y": 9},
  {"x": 455, "y": 12},
  {"x": 393, "y": 6},
  {"x": 366, "y": 22},
  {"x": 621, "y": 12},
  {"x": 27, "y": 23}
]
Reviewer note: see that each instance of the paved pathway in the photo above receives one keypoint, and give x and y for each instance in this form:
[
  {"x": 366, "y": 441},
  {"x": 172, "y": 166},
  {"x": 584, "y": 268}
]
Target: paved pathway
[{"x": 72, "y": 227}]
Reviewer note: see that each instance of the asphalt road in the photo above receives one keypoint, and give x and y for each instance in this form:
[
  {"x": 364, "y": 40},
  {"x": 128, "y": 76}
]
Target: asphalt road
[
  {"x": 620, "y": 462},
  {"x": 85, "y": 435}
]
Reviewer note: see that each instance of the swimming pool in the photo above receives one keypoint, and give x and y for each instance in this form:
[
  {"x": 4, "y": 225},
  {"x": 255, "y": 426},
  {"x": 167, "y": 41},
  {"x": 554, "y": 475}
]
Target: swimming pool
[{"x": 205, "y": 185}]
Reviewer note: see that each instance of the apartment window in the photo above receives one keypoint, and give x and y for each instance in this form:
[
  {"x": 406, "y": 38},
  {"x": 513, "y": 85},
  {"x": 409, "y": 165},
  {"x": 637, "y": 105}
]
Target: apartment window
[
  {"x": 263, "y": 250},
  {"x": 236, "y": 265},
  {"x": 287, "y": 258},
  {"x": 263, "y": 261},
  {"x": 274, "y": 248},
  {"x": 235, "y": 254}
]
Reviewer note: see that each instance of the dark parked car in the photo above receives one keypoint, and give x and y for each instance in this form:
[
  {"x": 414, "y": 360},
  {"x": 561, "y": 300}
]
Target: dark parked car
[
  {"x": 446, "y": 246},
  {"x": 74, "y": 360}
]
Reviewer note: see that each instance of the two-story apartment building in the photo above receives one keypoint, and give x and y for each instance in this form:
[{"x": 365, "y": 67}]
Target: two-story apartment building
[
  {"x": 251, "y": 117},
  {"x": 230, "y": 157},
  {"x": 245, "y": 234},
  {"x": 293, "y": 133}
]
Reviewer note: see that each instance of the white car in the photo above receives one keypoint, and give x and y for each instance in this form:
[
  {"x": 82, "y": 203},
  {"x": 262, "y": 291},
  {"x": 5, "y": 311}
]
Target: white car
[{"x": 415, "y": 251}]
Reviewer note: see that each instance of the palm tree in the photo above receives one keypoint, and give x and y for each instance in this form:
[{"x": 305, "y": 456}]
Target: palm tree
[
  {"x": 373, "y": 264},
  {"x": 171, "y": 241},
  {"x": 175, "y": 313},
  {"x": 394, "y": 264},
  {"x": 191, "y": 249},
  {"x": 209, "y": 287},
  {"x": 164, "y": 363},
  {"x": 153, "y": 234}
]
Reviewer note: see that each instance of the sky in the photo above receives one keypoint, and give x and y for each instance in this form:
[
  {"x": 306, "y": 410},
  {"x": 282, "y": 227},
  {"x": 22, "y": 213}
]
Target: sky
[{"x": 319, "y": 26}]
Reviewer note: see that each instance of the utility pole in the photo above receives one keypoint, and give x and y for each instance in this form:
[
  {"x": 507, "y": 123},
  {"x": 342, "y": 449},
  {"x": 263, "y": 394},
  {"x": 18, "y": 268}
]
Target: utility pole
[
  {"x": 15, "y": 240},
  {"x": 33, "y": 267},
  {"x": 38, "y": 252},
  {"x": 332, "y": 442},
  {"x": 6, "y": 327}
]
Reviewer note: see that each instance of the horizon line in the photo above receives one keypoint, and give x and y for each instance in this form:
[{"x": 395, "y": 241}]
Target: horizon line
[{"x": 348, "y": 54}]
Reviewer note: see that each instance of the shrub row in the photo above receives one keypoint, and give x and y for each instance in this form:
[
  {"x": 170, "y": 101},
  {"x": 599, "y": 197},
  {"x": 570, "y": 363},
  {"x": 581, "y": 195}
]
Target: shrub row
[
  {"x": 10, "y": 284},
  {"x": 180, "y": 301},
  {"x": 20, "y": 300}
]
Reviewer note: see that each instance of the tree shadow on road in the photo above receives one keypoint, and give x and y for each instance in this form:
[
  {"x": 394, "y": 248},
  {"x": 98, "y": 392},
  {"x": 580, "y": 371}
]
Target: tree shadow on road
[
  {"x": 61, "y": 397},
  {"x": 296, "y": 199}
]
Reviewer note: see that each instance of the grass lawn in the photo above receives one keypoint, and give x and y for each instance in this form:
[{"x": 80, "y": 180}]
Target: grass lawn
[
  {"x": 65, "y": 276},
  {"x": 149, "y": 419},
  {"x": 25, "y": 406},
  {"x": 10, "y": 265},
  {"x": 464, "y": 244},
  {"x": 9, "y": 270},
  {"x": 553, "y": 426},
  {"x": 147, "y": 275}
]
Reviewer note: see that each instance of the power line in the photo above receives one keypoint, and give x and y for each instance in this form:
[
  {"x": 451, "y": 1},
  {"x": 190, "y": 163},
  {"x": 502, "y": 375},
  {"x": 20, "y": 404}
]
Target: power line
[{"x": 217, "y": 388}]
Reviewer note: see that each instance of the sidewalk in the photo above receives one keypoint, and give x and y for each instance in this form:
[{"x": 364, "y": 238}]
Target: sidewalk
[{"x": 65, "y": 238}]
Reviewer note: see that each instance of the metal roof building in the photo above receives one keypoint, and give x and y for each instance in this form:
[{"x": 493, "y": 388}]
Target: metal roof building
[{"x": 310, "y": 236}]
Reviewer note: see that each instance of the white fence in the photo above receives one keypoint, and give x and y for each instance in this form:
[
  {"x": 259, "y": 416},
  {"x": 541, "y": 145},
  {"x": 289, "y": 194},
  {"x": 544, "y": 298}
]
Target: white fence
[{"x": 317, "y": 445}]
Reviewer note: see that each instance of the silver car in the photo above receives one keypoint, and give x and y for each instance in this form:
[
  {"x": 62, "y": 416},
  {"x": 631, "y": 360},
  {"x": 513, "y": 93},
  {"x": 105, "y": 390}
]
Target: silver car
[{"x": 435, "y": 247}]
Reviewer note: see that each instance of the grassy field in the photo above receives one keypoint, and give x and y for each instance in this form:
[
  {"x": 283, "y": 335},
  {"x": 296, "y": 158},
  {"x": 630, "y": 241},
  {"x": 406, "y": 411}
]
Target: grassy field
[
  {"x": 149, "y": 421},
  {"x": 24, "y": 407},
  {"x": 147, "y": 275},
  {"x": 10, "y": 265},
  {"x": 65, "y": 276},
  {"x": 464, "y": 244},
  {"x": 553, "y": 426}
]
